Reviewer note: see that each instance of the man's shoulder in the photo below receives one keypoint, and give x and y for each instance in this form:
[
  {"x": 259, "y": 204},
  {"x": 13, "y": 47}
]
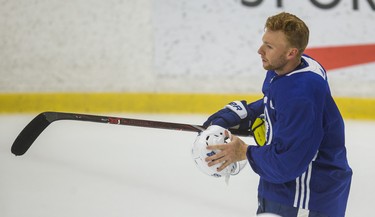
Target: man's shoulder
[{"x": 309, "y": 65}]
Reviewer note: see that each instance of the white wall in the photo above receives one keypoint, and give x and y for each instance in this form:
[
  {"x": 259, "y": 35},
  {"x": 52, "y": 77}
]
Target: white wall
[
  {"x": 80, "y": 45},
  {"x": 164, "y": 45}
]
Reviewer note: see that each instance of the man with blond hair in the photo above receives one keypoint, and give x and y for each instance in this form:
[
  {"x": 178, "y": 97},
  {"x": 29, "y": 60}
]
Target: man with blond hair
[{"x": 301, "y": 155}]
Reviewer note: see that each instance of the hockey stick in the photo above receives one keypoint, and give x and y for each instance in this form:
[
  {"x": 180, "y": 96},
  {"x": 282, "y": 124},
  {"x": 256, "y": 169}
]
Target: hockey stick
[{"x": 31, "y": 132}]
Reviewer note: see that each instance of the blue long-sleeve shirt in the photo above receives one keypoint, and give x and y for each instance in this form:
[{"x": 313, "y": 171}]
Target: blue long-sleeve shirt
[{"x": 303, "y": 163}]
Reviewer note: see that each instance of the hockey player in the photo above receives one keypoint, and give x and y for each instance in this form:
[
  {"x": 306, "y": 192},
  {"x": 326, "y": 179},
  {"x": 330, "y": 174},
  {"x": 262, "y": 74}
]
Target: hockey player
[{"x": 301, "y": 155}]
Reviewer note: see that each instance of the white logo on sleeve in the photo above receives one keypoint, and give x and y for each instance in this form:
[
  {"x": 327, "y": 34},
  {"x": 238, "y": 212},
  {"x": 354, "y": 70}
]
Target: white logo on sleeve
[{"x": 238, "y": 108}]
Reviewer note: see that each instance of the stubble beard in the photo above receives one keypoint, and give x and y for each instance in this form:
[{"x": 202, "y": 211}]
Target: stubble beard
[{"x": 278, "y": 64}]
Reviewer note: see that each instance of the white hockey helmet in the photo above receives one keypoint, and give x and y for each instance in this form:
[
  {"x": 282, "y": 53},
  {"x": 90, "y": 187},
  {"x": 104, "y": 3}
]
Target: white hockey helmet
[{"x": 213, "y": 135}]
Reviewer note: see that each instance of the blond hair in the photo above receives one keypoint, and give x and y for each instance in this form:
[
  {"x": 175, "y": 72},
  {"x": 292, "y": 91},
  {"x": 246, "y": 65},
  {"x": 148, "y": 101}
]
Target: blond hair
[{"x": 295, "y": 30}]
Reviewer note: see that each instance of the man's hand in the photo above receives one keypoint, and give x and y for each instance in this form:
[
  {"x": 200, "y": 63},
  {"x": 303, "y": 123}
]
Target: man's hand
[
  {"x": 234, "y": 115},
  {"x": 229, "y": 153}
]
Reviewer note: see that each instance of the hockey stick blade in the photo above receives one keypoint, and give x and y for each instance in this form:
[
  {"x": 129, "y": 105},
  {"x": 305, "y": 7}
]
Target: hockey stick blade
[{"x": 31, "y": 132}]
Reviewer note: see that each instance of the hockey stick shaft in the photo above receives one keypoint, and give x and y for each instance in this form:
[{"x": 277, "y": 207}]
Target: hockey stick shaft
[{"x": 31, "y": 132}]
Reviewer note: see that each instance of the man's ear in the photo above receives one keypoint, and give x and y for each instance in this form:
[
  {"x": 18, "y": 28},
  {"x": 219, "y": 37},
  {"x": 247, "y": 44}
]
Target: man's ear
[{"x": 293, "y": 52}]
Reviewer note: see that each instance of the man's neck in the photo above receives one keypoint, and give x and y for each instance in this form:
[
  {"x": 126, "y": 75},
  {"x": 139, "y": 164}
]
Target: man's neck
[{"x": 289, "y": 67}]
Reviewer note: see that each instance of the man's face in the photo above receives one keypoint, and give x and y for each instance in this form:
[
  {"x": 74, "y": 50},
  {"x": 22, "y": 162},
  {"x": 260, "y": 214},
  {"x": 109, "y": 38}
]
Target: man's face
[{"x": 274, "y": 50}]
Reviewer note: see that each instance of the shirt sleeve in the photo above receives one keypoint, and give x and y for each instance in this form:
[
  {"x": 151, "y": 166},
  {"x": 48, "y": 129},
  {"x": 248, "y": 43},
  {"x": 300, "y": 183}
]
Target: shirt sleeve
[
  {"x": 297, "y": 134},
  {"x": 256, "y": 108}
]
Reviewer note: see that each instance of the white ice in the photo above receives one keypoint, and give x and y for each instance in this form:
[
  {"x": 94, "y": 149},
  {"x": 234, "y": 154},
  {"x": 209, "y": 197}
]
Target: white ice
[{"x": 91, "y": 169}]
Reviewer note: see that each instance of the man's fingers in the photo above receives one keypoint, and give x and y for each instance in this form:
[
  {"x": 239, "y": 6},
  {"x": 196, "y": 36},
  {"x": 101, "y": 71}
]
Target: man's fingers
[
  {"x": 216, "y": 147},
  {"x": 223, "y": 166},
  {"x": 228, "y": 134},
  {"x": 215, "y": 159},
  {"x": 221, "y": 157}
]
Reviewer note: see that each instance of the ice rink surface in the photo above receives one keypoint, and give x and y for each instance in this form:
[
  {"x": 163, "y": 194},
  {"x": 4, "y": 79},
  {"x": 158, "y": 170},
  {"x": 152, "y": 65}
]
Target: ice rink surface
[{"x": 92, "y": 169}]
